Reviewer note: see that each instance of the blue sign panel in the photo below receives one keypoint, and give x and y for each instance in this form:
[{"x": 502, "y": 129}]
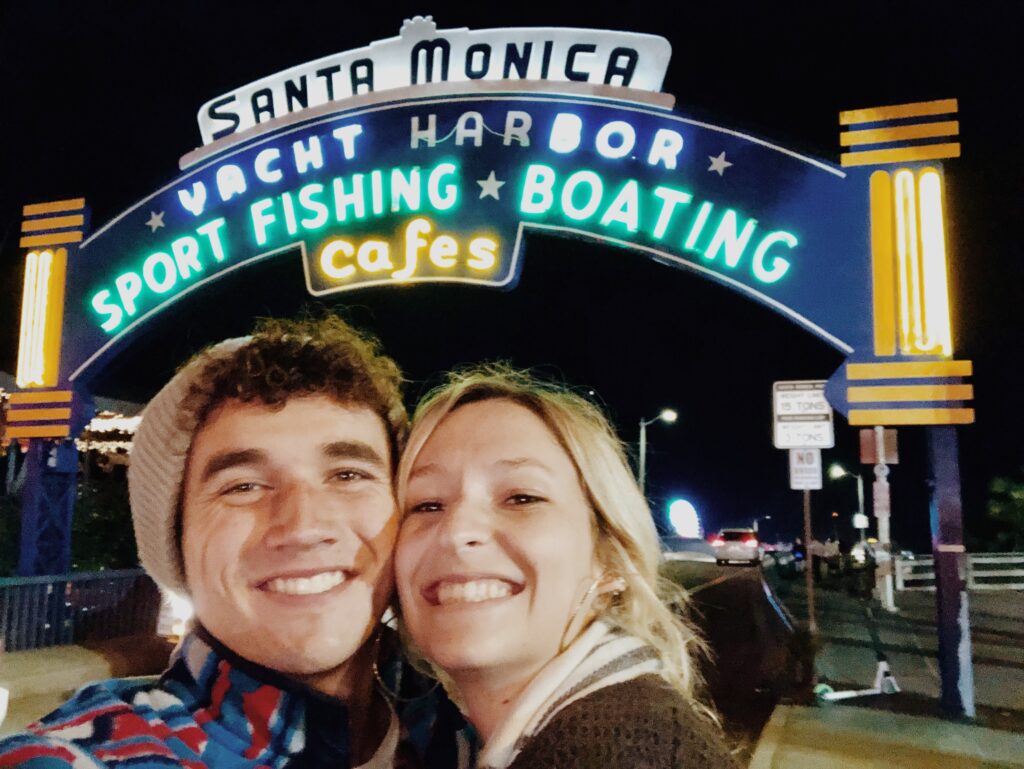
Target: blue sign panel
[{"x": 448, "y": 189}]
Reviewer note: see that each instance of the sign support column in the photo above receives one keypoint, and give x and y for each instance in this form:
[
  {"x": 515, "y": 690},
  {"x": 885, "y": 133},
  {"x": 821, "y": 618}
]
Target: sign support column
[
  {"x": 802, "y": 421},
  {"x": 883, "y": 509},
  {"x": 812, "y": 623},
  {"x": 950, "y": 587},
  {"x": 805, "y": 474}
]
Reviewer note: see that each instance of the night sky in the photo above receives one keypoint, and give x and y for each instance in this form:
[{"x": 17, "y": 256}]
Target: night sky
[{"x": 99, "y": 100}]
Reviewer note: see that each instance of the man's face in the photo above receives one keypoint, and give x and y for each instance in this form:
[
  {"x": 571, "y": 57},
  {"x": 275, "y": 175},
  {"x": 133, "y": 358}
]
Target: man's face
[{"x": 289, "y": 523}]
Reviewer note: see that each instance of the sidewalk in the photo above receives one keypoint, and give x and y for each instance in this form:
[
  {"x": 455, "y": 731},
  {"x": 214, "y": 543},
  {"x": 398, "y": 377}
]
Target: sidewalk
[
  {"x": 860, "y": 738},
  {"x": 905, "y": 729},
  {"x": 846, "y": 656},
  {"x": 41, "y": 679}
]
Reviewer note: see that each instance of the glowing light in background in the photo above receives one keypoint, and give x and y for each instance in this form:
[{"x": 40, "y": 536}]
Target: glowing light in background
[
  {"x": 175, "y": 616},
  {"x": 684, "y": 519}
]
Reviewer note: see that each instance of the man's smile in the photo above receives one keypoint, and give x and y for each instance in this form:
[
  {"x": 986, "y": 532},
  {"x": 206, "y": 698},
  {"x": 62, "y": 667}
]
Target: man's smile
[{"x": 312, "y": 584}]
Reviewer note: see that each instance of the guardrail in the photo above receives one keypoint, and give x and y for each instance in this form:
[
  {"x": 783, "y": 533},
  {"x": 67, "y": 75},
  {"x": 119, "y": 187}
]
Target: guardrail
[
  {"x": 985, "y": 571},
  {"x": 54, "y": 610}
]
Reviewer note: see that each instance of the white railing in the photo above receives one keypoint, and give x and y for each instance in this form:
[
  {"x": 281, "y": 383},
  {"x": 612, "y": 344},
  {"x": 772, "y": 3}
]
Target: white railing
[{"x": 985, "y": 571}]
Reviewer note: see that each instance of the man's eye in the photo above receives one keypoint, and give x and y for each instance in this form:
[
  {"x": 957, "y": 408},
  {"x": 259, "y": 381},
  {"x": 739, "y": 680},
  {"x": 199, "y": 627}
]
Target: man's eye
[
  {"x": 350, "y": 475},
  {"x": 244, "y": 487}
]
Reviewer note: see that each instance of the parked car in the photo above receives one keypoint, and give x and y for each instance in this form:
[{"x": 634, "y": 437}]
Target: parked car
[{"x": 732, "y": 545}]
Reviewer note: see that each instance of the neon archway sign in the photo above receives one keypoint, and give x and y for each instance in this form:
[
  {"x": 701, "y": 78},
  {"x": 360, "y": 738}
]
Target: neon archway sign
[
  {"x": 438, "y": 173},
  {"x": 444, "y": 189}
]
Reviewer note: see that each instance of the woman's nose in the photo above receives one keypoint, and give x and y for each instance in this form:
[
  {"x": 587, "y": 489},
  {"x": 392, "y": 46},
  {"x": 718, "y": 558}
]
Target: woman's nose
[{"x": 468, "y": 524}]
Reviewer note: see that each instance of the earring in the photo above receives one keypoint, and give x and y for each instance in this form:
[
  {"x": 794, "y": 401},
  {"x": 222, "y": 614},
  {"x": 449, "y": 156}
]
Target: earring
[
  {"x": 571, "y": 636},
  {"x": 616, "y": 586},
  {"x": 390, "y": 694}
]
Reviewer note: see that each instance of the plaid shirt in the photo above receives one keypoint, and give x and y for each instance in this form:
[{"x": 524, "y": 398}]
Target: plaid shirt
[{"x": 210, "y": 709}]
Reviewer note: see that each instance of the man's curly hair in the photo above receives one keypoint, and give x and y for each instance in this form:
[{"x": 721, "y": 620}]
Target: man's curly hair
[{"x": 293, "y": 358}]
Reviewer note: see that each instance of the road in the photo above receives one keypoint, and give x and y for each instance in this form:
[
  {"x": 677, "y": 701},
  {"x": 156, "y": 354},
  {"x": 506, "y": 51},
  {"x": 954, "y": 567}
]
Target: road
[{"x": 753, "y": 646}]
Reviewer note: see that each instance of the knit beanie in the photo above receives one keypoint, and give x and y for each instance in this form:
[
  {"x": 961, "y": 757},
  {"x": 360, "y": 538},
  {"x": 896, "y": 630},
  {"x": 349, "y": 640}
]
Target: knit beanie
[{"x": 156, "y": 473}]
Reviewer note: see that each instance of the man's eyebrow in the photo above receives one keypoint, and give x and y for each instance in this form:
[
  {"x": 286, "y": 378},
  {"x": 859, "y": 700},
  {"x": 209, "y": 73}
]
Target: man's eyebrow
[
  {"x": 353, "y": 450},
  {"x": 227, "y": 459}
]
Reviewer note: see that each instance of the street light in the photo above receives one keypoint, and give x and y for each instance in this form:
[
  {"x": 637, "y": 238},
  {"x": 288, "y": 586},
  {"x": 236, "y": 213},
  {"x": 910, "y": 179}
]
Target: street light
[
  {"x": 668, "y": 416},
  {"x": 837, "y": 471}
]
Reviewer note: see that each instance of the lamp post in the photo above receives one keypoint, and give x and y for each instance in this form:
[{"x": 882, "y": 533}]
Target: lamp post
[
  {"x": 668, "y": 416},
  {"x": 837, "y": 471}
]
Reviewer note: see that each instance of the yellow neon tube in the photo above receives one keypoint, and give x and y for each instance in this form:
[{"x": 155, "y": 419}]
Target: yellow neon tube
[
  {"x": 33, "y": 351},
  {"x": 27, "y": 311},
  {"x": 907, "y": 259},
  {"x": 937, "y": 326},
  {"x": 39, "y": 317}
]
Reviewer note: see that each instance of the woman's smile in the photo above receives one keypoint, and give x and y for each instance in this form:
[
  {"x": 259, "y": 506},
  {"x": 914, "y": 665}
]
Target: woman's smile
[{"x": 455, "y": 590}]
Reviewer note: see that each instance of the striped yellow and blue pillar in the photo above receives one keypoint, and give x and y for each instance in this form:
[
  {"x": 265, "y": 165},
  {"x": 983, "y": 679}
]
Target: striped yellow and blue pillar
[
  {"x": 911, "y": 376},
  {"x": 44, "y": 413}
]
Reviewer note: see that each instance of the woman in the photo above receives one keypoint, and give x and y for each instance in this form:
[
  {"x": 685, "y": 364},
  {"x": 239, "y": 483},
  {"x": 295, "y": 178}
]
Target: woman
[{"x": 527, "y": 571}]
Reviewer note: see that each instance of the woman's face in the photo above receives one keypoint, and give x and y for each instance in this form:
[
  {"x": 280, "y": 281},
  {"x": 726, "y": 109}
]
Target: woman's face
[{"x": 496, "y": 549}]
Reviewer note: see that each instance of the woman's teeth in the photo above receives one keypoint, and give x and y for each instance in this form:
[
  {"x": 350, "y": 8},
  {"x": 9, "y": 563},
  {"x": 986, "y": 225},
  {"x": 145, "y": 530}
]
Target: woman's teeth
[
  {"x": 319, "y": 583},
  {"x": 472, "y": 592}
]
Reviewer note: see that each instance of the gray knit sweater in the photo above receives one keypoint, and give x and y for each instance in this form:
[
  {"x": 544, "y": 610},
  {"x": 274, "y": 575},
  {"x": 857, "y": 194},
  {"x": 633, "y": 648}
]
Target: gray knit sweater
[{"x": 639, "y": 724}]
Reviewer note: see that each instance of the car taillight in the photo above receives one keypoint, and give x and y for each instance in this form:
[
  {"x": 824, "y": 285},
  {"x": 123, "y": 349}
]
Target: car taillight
[
  {"x": 750, "y": 542},
  {"x": 717, "y": 542}
]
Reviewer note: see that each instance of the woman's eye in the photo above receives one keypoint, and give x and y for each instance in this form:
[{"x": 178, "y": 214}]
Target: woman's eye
[
  {"x": 524, "y": 499},
  {"x": 429, "y": 506}
]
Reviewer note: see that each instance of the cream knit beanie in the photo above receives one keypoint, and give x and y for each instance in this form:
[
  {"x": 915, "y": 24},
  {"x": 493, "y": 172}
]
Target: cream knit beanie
[{"x": 157, "y": 469}]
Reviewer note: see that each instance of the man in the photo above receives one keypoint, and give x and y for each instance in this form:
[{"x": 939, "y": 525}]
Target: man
[{"x": 261, "y": 485}]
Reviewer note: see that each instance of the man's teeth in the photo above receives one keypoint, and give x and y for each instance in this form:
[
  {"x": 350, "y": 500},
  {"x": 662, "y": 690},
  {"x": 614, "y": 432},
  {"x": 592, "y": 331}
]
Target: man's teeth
[
  {"x": 319, "y": 583},
  {"x": 472, "y": 592}
]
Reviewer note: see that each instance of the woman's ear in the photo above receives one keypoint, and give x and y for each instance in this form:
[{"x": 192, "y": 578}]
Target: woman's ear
[{"x": 610, "y": 582}]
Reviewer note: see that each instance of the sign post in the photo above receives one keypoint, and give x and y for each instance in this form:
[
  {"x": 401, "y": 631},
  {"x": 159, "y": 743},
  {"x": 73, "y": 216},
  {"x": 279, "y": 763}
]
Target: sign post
[
  {"x": 882, "y": 508},
  {"x": 879, "y": 447},
  {"x": 812, "y": 623},
  {"x": 805, "y": 474},
  {"x": 803, "y": 424}
]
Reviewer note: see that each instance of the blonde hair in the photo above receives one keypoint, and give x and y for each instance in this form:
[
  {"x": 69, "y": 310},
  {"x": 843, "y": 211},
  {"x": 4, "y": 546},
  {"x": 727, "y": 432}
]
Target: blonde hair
[{"x": 626, "y": 540}]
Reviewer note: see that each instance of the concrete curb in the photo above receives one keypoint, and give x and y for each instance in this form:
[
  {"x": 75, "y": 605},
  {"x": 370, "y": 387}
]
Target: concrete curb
[
  {"x": 764, "y": 753},
  {"x": 862, "y": 738}
]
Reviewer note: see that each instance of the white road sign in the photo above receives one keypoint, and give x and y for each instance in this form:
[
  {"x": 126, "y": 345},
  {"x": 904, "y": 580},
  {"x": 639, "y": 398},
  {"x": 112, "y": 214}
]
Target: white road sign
[
  {"x": 805, "y": 469},
  {"x": 801, "y": 415}
]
